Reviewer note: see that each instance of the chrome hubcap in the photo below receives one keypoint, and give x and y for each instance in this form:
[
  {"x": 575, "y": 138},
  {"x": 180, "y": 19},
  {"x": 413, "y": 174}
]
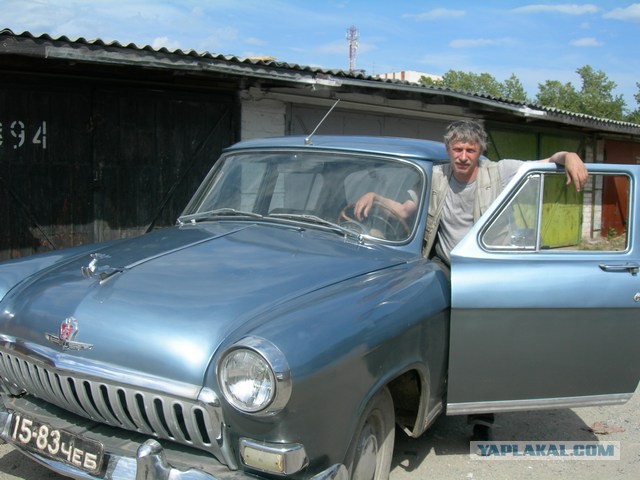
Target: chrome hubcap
[{"x": 365, "y": 468}]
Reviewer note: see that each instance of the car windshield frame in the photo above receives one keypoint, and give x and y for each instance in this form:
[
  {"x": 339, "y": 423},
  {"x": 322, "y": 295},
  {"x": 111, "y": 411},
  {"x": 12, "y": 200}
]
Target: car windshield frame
[{"x": 314, "y": 188}]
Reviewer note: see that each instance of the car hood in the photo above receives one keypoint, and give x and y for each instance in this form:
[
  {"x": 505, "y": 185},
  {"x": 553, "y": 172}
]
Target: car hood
[{"x": 166, "y": 300}]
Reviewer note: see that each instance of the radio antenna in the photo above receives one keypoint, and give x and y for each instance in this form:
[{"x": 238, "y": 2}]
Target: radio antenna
[{"x": 307, "y": 141}]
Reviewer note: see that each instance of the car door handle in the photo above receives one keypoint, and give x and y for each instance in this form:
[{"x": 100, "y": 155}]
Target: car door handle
[{"x": 632, "y": 268}]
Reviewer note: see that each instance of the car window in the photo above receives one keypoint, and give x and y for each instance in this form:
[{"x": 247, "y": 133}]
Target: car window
[
  {"x": 546, "y": 214},
  {"x": 324, "y": 185},
  {"x": 296, "y": 191}
]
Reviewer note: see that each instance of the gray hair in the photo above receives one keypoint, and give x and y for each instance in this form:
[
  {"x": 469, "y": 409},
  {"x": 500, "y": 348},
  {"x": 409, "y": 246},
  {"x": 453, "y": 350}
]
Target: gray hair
[{"x": 467, "y": 131}]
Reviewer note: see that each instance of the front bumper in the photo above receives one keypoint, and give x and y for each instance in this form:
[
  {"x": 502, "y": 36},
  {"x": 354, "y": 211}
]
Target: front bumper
[
  {"x": 151, "y": 464},
  {"x": 147, "y": 460}
]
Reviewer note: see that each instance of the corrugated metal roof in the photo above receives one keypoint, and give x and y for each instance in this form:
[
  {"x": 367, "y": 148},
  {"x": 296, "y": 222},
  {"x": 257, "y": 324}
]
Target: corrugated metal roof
[
  {"x": 268, "y": 68},
  {"x": 179, "y": 52}
]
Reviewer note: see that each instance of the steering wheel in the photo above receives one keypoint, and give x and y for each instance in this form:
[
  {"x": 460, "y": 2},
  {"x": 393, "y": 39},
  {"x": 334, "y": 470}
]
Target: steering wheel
[{"x": 378, "y": 214}]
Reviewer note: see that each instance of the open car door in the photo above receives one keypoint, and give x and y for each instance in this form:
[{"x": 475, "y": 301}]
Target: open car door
[{"x": 545, "y": 308}]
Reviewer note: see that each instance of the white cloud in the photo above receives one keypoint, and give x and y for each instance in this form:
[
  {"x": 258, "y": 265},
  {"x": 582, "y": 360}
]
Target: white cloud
[
  {"x": 255, "y": 41},
  {"x": 478, "y": 42},
  {"x": 218, "y": 40},
  {"x": 445, "y": 61},
  {"x": 333, "y": 48},
  {"x": 586, "y": 42},
  {"x": 164, "y": 42},
  {"x": 569, "y": 9},
  {"x": 630, "y": 13},
  {"x": 342, "y": 47},
  {"x": 435, "y": 14}
]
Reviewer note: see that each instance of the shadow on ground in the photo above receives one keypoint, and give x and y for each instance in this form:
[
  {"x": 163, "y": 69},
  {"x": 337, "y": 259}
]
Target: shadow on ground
[{"x": 451, "y": 435}]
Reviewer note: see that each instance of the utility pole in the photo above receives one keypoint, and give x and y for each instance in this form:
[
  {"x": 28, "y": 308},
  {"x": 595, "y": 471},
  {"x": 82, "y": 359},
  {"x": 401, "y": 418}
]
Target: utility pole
[{"x": 352, "y": 36}]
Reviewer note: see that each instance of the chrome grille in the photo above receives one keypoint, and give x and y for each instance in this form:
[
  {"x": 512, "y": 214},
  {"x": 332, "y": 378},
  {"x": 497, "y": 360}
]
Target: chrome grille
[{"x": 163, "y": 416}]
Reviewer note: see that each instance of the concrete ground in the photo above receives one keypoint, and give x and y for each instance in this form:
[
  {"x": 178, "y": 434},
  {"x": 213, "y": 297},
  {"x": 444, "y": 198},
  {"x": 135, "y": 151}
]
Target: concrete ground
[{"x": 443, "y": 451}]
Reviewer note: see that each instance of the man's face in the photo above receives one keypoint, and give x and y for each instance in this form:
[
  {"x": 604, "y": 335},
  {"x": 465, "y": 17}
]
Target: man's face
[{"x": 464, "y": 160}]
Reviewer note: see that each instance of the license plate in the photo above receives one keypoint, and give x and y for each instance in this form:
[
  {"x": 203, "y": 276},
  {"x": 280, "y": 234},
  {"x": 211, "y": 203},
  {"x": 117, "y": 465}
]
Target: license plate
[{"x": 59, "y": 445}]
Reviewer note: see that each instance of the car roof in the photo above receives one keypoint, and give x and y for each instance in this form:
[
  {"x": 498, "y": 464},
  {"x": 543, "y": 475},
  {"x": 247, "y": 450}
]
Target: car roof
[{"x": 410, "y": 148}]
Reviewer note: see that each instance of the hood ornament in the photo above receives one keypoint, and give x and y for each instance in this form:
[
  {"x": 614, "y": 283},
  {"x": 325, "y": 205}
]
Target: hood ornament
[
  {"x": 67, "y": 333},
  {"x": 94, "y": 270}
]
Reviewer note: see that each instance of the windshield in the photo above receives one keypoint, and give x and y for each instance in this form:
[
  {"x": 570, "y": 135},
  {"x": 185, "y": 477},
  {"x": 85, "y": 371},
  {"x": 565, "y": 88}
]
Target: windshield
[{"x": 319, "y": 188}]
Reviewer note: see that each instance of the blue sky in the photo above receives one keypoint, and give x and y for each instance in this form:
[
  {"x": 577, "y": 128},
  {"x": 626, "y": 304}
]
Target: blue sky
[{"x": 536, "y": 40}]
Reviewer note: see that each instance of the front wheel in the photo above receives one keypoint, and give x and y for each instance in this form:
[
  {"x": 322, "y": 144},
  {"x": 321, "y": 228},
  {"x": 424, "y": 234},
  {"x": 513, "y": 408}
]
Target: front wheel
[{"x": 371, "y": 449}]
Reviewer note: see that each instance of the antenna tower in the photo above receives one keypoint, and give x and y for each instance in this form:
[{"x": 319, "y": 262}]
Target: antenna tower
[{"x": 352, "y": 36}]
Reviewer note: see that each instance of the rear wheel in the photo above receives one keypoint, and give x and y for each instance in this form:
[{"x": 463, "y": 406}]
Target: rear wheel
[{"x": 371, "y": 449}]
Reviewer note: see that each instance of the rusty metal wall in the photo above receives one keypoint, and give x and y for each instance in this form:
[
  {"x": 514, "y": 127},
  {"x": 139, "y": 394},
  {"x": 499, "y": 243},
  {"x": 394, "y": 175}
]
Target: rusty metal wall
[{"x": 82, "y": 162}]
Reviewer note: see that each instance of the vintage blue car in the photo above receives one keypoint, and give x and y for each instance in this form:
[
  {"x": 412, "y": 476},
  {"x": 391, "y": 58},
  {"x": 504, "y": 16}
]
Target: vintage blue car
[{"x": 272, "y": 333}]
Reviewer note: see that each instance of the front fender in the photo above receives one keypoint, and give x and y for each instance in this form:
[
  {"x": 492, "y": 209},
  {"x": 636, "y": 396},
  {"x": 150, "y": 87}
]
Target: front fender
[{"x": 343, "y": 343}]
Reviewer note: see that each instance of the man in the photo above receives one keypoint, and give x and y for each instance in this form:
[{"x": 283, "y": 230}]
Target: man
[
  {"x": 464, "y": 189},
  {"x": 461, "y": 192}
]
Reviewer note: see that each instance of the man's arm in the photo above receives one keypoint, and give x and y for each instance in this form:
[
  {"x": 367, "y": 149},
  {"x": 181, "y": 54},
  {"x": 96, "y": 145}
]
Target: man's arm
[
  {"x": 574, "y": 167},
  {"x": 364, "y": 204}
]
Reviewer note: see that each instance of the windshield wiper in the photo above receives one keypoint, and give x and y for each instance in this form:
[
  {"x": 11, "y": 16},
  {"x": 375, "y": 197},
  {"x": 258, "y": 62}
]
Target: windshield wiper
[
  {"x": 314, "y": 219},
  {"x": 220, "y": 212}
]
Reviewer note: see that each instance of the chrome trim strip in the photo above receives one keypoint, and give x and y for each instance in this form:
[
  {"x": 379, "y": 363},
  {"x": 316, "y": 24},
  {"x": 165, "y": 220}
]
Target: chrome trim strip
[{"x": 537, "y": 404}]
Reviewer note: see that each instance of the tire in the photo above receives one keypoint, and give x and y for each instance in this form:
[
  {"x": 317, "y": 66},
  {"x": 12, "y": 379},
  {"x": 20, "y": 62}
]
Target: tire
[{"x": 371, "y": 450}]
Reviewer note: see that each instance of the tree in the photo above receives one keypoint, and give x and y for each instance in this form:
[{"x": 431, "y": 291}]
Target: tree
[
  {"x": 634, "y": 116},
  {"x": 595, "y": 97},
  {"x": 555, "y": 94},
  {"x": 480, "y": 84},
  {"x": 514, "y": 90}
]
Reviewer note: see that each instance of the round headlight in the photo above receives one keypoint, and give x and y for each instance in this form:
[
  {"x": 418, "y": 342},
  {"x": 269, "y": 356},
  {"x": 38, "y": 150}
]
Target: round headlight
[
  {"x": 254, "y": 376},
  {"x": 247, "y": 380}
]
